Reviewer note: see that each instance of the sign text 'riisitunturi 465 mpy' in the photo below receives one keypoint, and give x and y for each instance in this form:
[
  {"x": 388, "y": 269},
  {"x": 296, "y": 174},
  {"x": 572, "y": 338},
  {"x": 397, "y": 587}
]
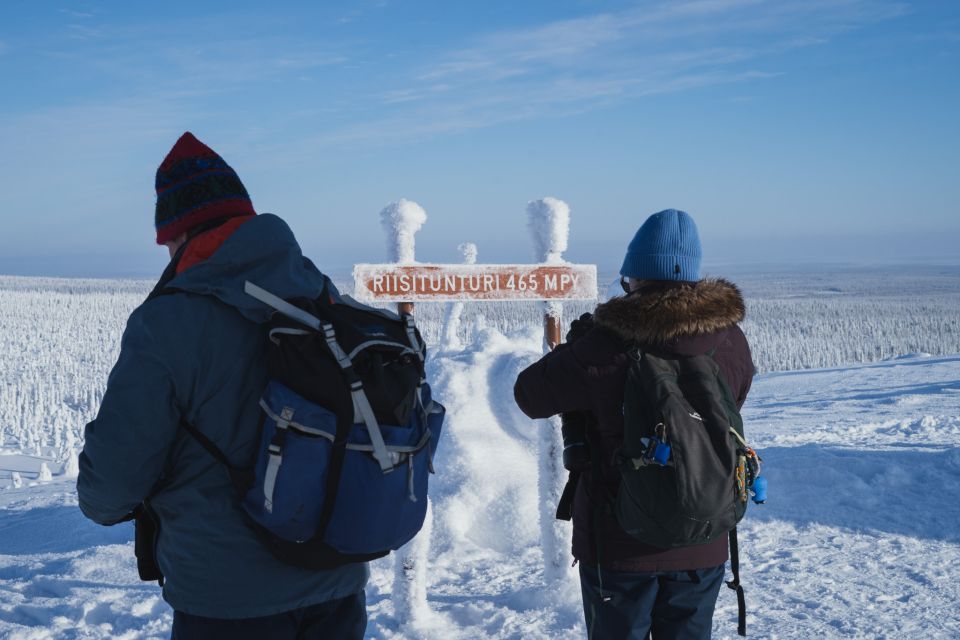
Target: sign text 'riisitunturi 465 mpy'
[{"x": 445, "y": 282}]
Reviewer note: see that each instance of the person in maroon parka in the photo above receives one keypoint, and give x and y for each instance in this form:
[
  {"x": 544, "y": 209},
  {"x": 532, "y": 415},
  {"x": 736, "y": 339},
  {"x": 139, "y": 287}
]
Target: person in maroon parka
[{"x": 630, "y": 588}]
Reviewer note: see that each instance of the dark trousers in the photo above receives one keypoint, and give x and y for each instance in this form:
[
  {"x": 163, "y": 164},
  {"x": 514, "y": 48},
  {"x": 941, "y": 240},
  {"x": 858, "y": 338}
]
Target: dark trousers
[
  {"x": 335, "y": 620},
  {"x": 677, "y": 604}
]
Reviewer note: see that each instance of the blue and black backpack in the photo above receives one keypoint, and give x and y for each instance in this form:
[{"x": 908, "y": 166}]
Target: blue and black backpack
[{"x": 348, "y": 430}]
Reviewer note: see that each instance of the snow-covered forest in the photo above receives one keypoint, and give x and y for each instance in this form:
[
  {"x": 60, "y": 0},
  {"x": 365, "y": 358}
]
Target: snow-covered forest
[
  {"x": 60, "y": 337},
  {"x": 800, "y": 320}
]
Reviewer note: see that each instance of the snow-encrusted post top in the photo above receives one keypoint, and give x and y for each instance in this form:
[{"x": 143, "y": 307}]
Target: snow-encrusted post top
[
  {"x": 548, "y": 220},
  {"x": 401, "y": 220},
  {"x": 469, "y": 252}
]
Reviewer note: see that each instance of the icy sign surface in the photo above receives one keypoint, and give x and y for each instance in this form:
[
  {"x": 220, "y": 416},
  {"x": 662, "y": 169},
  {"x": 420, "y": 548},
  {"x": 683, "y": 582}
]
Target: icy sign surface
[{"x": 438, "y": 282}]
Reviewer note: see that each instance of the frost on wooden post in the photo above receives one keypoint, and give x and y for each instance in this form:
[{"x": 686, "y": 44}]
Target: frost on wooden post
[
  {"x": 410, "y": 577},
  {"x": 548, "y": 220},
  {"x": 450, "y": 339},
  {"x": 401, "y": 220}
]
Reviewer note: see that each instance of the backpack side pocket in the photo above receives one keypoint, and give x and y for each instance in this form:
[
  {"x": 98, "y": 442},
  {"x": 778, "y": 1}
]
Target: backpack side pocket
[{"x": 290, "y": 473}]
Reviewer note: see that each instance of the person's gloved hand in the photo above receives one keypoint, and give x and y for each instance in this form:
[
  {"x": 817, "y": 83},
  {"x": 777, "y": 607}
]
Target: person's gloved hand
[{"x": 580, "y": 327}]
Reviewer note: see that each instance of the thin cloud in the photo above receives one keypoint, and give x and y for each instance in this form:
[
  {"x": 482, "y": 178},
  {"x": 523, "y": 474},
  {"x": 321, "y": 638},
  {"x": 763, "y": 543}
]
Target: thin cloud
[
  {"x": 198, "y": 67},
  {"x": 83, "y": 31},
  {"x": 77, "y": 15},
  {"x": 551, "y": 70},
  {"x": 310, "y": 60},
  {"x": 592, "y": 43},
  {"x": 583, "y": 63}
]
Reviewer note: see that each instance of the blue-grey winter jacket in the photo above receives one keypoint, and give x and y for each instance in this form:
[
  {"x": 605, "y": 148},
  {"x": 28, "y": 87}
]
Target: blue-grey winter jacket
[{"x": 201, "y": 358}]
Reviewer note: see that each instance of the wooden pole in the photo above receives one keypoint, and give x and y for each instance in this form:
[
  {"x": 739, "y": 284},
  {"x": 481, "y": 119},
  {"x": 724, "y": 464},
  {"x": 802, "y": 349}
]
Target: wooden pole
[
  {"x": 554, "y": 534},
  {"x": 551, "y": 331}
]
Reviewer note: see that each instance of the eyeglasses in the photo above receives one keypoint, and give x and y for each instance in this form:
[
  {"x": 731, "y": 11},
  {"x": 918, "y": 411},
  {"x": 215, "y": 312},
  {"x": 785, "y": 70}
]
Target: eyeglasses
[{"x": 624, "y": 285}]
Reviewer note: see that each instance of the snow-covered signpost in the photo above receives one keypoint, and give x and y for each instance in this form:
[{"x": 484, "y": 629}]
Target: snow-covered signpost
[
  {"x": 549, "y": 222},
  {"x": 551, "y": 280},
  {"x": 401, "y": 220}
]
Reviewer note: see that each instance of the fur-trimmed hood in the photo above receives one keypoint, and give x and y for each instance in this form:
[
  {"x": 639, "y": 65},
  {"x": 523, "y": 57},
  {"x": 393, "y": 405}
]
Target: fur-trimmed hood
[{"x": 660, "y": 315}]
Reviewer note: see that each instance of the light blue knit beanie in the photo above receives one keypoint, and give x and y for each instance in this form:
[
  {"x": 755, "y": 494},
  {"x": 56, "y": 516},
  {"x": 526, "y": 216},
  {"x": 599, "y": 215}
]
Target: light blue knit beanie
[{"x": 666, "y": 247}]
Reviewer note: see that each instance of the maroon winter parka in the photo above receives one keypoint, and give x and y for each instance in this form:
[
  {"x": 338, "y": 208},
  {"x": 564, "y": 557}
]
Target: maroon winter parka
[{"x": 589, "y": 373}]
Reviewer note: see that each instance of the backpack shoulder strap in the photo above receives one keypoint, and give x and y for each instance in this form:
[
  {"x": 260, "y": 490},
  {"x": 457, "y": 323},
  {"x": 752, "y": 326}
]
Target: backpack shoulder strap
[
  {"x": 207, "y": 444},
  {"x": 565, "y": 504},
  {"x": 735, "y": 584},
  {"x": 240, "y": 477}
]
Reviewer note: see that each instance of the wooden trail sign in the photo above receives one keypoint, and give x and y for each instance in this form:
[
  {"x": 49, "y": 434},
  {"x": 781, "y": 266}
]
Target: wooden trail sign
[{"x": 463, "y": 282}]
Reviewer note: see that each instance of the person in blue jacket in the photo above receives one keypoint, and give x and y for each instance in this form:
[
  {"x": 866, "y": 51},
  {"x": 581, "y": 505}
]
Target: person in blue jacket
[{"x": 197, "y": 356}]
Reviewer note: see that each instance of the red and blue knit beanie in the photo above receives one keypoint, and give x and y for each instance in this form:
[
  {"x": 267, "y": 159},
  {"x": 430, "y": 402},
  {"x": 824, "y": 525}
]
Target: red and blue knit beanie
[{"x": 195, "y": 185}]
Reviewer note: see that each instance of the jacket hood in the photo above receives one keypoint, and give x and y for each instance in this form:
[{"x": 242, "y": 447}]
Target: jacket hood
[
  {"x": 662, "y": 315},
  {"x": 263, "y": 251}
]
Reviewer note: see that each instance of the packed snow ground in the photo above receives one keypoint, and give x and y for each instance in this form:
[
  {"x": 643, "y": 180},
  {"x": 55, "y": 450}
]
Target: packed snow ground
[{"x": 860, "y": 538}]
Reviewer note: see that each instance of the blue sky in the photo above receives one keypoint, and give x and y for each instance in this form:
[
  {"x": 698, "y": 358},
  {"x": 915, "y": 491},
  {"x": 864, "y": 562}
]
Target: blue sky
[{"x": 792, "y": 130}]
